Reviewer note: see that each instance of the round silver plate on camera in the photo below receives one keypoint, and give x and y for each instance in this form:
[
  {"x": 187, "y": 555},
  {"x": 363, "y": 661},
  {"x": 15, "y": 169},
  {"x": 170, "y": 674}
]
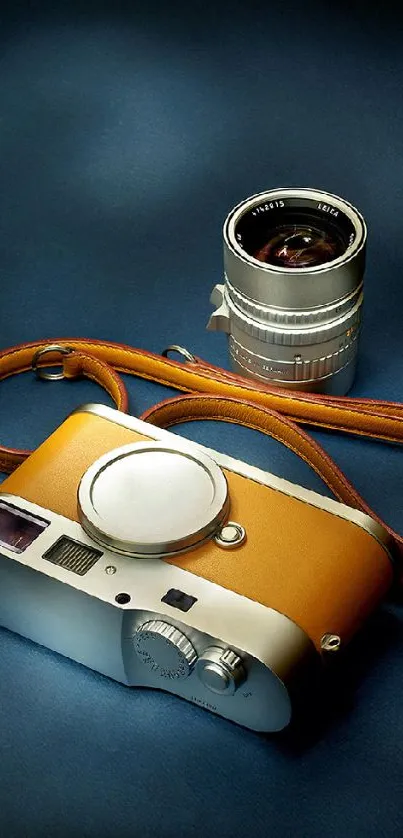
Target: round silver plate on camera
[{"x": 150, "y": 500}]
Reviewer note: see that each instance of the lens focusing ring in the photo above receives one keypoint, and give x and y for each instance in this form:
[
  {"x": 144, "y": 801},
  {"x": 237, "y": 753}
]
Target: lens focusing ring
[
  {"x": 291, "y": 304},
  {"x": 296, "y": 336},
  {"x": 287, "y": 317}
]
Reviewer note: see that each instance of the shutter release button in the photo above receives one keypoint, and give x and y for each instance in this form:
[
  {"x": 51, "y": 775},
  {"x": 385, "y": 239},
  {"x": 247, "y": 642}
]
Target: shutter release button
[{"x": 220, "y": 670}]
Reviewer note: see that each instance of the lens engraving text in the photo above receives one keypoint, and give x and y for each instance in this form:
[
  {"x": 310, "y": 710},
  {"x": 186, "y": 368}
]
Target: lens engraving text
[
  {"x": 266, "y": 207},
  {"x": 327, "y": 208}
]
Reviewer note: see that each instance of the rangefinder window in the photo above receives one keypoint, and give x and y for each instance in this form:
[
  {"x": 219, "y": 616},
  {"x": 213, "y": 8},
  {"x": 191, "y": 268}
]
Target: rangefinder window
[{"x": 18, "y": 529}]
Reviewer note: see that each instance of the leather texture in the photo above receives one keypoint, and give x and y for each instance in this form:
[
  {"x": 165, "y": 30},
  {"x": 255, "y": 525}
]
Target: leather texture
[
  {"x": 365, "y": 417},
  {"x": 325, "y": 573},
  {"x": 222, "y": 396}
]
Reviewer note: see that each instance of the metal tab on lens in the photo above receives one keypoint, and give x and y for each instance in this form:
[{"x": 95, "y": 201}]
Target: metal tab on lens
[{"x": 150, "y": 500}]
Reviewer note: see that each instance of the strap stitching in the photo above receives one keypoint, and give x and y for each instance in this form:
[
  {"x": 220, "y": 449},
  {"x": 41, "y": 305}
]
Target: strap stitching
[
  {"x": 193, "y": 373},
  {"x": 114, "y": 382},
  {"x": 244, "y": 387}
]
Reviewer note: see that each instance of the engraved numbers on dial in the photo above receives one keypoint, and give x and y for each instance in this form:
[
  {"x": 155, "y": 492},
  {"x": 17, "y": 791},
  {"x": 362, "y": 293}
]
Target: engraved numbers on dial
[{"x": 164, "y": 649}]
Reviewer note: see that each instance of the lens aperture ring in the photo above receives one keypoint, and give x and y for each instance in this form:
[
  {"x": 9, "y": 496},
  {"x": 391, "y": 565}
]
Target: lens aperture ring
[{"x": 298, "y": 369}]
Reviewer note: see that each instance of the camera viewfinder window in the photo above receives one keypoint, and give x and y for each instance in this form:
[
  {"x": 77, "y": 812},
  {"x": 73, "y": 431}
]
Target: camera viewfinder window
[{"x": 18, "y": 529}]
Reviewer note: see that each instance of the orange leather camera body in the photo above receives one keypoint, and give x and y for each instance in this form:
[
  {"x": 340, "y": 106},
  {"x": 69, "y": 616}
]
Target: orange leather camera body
[{"x": 163, "y": 564}]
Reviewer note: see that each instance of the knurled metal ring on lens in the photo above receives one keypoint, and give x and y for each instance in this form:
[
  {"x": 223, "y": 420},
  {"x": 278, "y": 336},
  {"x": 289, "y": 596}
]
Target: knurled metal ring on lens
[
  {"x": 302, "y": 335},
  {"x": 181, "y": 351},
  {"x": 39, "y": 372},
  {"x": 287, "y": 318}
]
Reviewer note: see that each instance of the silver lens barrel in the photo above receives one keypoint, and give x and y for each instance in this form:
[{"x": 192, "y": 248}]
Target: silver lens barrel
[{"x": 291, "y": 302}]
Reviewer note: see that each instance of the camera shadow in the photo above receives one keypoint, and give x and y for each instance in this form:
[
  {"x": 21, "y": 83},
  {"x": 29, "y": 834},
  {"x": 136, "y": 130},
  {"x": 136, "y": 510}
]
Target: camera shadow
[{"x": 329, "y": 693}]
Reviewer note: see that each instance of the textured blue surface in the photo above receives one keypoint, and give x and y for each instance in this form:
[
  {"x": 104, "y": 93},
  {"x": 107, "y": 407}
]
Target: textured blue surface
[{"x": 125, "y": 137}]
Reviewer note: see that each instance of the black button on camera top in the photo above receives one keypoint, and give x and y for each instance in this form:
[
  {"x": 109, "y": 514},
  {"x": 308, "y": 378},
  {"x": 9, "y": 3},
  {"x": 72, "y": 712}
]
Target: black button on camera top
[{"x": 178, "y": 599}]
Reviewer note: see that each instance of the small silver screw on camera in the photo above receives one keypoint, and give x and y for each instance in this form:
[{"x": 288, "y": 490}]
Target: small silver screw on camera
[
  {"x": 231, "y": 535},
  {"x": 330, "y": 643},
  {"x": 110, "y": 570}
]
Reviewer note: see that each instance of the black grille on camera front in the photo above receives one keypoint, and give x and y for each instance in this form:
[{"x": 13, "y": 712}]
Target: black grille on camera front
[{"x": 70, "y": 554}]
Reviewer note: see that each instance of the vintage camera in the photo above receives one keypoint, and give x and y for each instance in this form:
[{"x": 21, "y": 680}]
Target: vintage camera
[{"x": 163, "y": 564}]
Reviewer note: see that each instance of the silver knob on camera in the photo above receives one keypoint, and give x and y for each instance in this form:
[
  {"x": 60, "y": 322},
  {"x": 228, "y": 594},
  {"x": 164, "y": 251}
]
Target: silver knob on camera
[
  {"x": 164, "y": 649},
  {"x": 220, "y": 670}
]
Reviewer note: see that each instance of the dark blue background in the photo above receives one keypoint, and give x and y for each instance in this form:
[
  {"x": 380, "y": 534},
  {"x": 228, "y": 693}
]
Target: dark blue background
[{"x": 126, "y": 135}]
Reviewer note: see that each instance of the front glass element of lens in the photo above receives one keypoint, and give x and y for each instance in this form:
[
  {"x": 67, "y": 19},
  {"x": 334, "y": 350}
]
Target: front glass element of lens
[
  {"x": 297, "y": 246},
  {"x": 294, "y": 237}
]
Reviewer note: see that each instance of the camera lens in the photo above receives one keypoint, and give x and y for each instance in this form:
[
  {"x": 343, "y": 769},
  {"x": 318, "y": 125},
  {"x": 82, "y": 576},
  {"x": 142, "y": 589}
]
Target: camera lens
[{"x": 291, "y": 302}]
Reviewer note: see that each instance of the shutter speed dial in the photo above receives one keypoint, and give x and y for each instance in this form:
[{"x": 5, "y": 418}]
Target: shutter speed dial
[
  {"x": 164, "y": 649},
  {"x": 220, "y": 670}
]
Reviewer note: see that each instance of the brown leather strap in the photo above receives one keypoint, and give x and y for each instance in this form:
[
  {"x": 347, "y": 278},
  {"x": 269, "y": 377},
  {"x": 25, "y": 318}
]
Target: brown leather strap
[
  {"x": 374, "y": 418},
  {"x": 74, "y": 365},
  {"x": 222, "y": 396},
  {"x": 365, "y": 417}
]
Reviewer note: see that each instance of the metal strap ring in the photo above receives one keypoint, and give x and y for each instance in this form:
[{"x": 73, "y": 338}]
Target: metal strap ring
[
  {"x": 181, "y": 350},
  {"x": 39, "y": 372}
]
